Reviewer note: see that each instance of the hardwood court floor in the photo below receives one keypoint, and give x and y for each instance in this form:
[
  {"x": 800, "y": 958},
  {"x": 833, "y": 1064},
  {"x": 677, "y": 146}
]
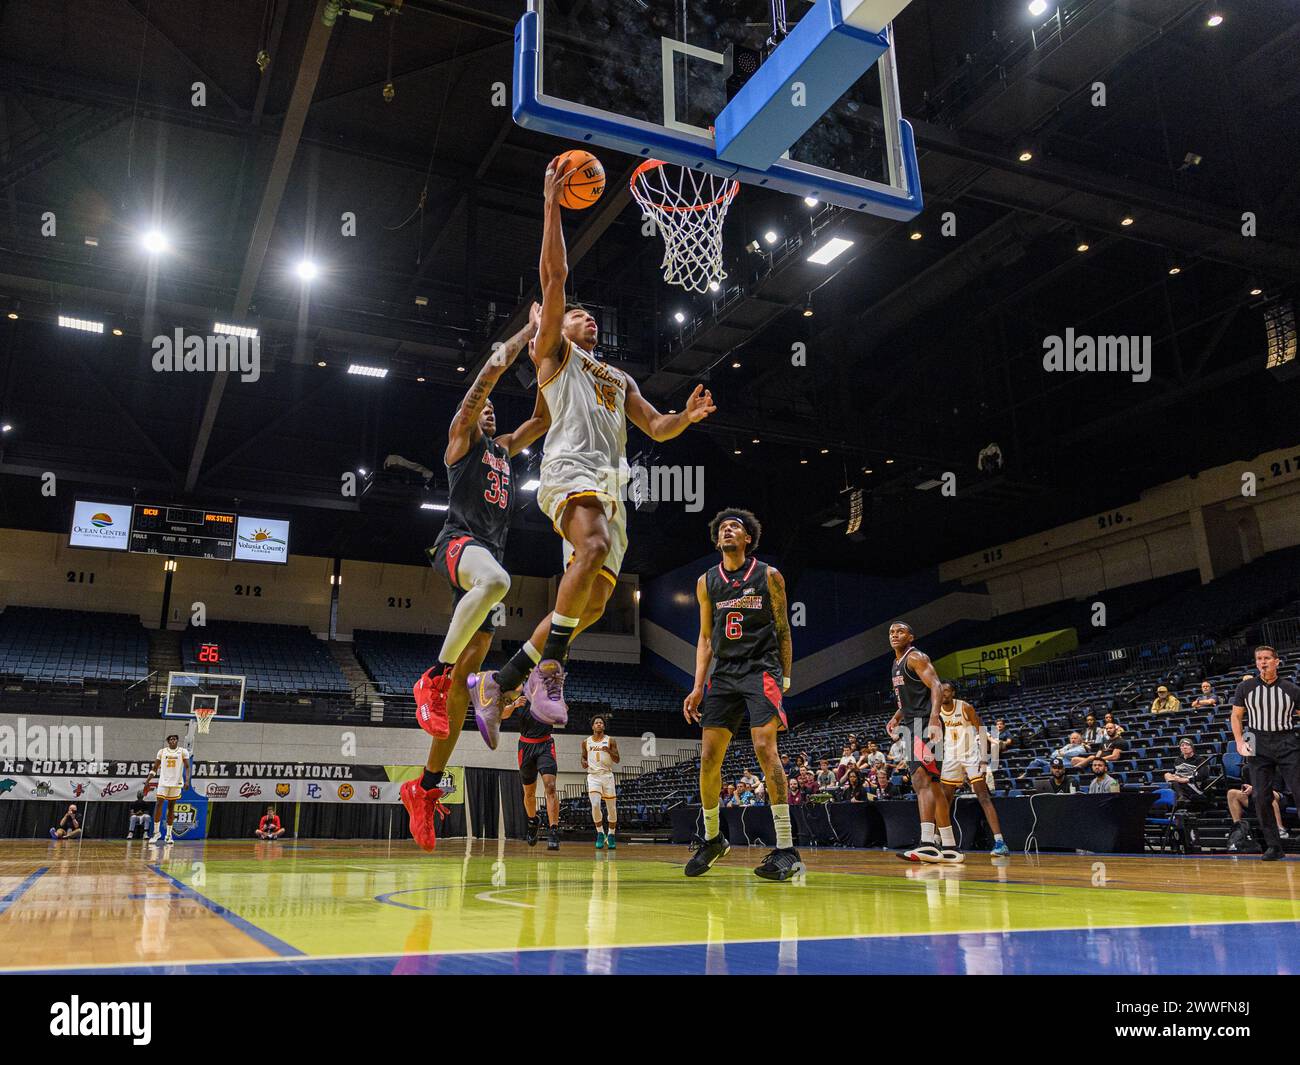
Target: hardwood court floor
[{"x": 380, "y": 907}]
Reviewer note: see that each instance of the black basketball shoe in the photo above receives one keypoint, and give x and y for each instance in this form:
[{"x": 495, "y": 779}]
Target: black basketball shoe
[
  {"x": 1272, "y": 854},
  {"x": 781, "y": 864},
  {"x": 553, "y": 838},
  {"x": 530, "y": 832},
  {"x": 707, "y": 851},
  {"x": 1238, "y": 836}
]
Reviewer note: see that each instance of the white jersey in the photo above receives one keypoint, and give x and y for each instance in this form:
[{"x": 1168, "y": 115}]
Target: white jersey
[
  {"x": 171, "y": 767},
  {"x": 587, "y": 402},
  {"x": 960, "y": 740},
  {"x": 599, "y": 760}
]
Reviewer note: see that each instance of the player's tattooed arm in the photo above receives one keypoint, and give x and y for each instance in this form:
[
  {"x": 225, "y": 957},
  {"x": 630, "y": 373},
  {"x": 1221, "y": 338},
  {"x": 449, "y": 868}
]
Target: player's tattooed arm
[
  {"x": 781, "y": 620},
  {"x": 666, "y": 426},
  {"x": 703, "y": 653}
]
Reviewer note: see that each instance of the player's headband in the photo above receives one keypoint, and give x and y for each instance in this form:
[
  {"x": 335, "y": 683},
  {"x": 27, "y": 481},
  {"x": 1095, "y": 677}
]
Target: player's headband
[{"x": 732, "y": 515}]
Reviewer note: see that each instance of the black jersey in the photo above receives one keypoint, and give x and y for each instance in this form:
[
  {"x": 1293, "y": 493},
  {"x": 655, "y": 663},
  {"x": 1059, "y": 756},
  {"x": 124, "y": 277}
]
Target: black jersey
[
  {"x": 911, "y": 694},
  {"x": 744, "y": 627},
  {"x": 530, "y": 728},
  {"x": 482, "y": 495}
]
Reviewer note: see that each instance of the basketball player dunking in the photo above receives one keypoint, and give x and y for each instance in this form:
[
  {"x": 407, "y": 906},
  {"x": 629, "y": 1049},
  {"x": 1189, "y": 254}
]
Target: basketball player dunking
[
  {"x": 745, "y": 629},
  {"x": 599, "y": 754},
  {"x": 962, "y": 762},
  {"x": 469, "y": 552},
  {"x": 919, "y": 695},
  {"x": 582, "y": 473}
]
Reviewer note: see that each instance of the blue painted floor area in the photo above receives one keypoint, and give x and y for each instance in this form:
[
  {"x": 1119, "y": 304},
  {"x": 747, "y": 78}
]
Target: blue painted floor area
[{"x": 1234, "y": 949}]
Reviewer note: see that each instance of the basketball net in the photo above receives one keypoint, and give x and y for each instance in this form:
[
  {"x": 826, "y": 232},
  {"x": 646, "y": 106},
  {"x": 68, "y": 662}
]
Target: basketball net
[
  {"x": 203, "y": 716},
  {"x": 688, "y": 207}
]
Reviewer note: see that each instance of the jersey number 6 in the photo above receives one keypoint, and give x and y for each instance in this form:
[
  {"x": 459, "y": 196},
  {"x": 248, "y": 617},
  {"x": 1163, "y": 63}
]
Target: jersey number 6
[{"x": 733, "y": 628}]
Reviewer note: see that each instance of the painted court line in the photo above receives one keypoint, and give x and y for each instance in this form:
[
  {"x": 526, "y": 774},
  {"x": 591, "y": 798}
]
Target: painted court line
[
  {"x": 21, "y": 889},
  {"x": 247, "y": 927}
]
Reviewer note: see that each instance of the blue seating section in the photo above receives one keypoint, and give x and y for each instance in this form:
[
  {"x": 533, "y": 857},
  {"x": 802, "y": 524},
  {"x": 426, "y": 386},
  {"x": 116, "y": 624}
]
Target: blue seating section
[
  {"x": 72, "y": 646},
  {"x": 395, "y": 660},
  {"x": 274, "y": 658}
]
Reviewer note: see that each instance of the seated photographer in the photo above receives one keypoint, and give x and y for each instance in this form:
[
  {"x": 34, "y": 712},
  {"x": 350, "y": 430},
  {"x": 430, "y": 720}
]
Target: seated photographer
[{"x": 1189, "y": 774}]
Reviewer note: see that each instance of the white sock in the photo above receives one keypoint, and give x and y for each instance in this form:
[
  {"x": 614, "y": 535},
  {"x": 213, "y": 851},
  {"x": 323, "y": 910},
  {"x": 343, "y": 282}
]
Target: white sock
[
  {"x": 946, "y": 836},
  {"x": 997, "y": 837},
  {"x": 532, "y": 652},
  {"x": 927, "y": 832},
  {"x": 488, "y": 584},
  {"x": 781, "y": 818},
  {"x": 711, "y": 829}
]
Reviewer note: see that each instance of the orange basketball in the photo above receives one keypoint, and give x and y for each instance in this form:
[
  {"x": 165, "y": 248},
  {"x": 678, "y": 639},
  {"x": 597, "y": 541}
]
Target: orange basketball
[{"x": 586, "y": 180}]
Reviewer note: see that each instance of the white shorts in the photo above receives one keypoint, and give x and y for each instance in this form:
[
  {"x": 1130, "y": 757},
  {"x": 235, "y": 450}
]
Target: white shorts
[
  {"x": 171, "y": 791},
  {"x": 602, "y": 783},
  {"x": 563, "y": 480},
  {"x": 958, "y": 772}
]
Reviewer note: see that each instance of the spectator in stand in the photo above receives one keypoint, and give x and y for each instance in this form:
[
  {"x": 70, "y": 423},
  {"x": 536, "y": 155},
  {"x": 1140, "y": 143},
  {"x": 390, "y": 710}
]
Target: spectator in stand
[
  {"x": 69, "y": 826},
  {"x": 1206, "y": 700},
  {"x": 795, "y": 792},
  {"x": 269, "y": 826},
  {"x": 1239, "y": 801},
  {"x": 1109, "y": 719},
  {"x": 745, "y": 795},
  {"x": 1093, "y": 733},
  {"x": 747, "y": 781},
  {"x": 1058, "y": 782},
  {"x": 728, "y": 797},
  {"x": 826, "y": 777},
  {"x": 1102, "y": 782},
  {"x": 847, "y": 762},
  {"x": 851, "y": 787},
  {"x": 760, "y": 793},
  {"x": 785, "y": 764},
  {"x": 882, "y": 787},
  {"x": 1001, "y": 740},
  {"x": 1076, "y": 750},
  {"x": 807, "y": 781},
  {"x": 1112, "y": 747},
  {"x": 897, "y": 761},
  {"x": 875, "y": 756},
  {"x": 1189, "y": 774},
  {"x": 1165, "y": 702}
]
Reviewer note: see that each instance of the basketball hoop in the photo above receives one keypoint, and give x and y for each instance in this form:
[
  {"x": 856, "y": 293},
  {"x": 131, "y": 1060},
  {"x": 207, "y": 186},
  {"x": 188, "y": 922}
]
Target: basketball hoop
[
  {"x": 203, "y": 715},
  {"x": 689, "y": 207}
]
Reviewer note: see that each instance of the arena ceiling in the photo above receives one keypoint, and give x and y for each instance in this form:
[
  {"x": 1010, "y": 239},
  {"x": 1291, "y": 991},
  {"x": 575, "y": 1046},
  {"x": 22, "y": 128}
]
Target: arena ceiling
[{"x": 919, "y": 351}]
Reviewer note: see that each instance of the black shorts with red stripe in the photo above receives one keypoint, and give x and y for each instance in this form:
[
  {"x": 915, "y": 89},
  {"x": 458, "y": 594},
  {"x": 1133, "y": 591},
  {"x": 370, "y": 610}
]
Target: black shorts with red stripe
[
  {"x": 730, "y": 696},
  {"x": 444, "y": 556},
  {"x": 926, "y": 755},
  {"x": 537, "y": 758}
]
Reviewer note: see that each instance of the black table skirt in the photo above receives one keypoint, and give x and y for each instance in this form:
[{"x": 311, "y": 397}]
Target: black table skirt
[{"x": 1100, "y": 823}]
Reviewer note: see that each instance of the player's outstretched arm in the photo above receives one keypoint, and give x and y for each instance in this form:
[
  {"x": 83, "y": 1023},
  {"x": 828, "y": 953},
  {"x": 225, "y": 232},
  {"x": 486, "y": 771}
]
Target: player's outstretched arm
[
  {"x": 553, "y": 272},
  {"x": 533, "y": 429},
  {"x": 666, "y": 426},
  {"x": 464, "y": 426},
  {"x": 781, "y": 621},
  {"x": 703, "y": 653}
]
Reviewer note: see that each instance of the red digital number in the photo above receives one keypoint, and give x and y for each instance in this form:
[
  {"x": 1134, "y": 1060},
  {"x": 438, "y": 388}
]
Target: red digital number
[{"x": 210, "y": 652}]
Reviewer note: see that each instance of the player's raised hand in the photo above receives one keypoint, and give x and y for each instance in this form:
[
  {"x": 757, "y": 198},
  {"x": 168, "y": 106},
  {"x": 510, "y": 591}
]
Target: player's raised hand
[
  {"x": 700, "y": 405},
  {"x": 691, "y": 705},
  {"x": 555, "y": 178},
  {"x": 534, "y": 318}
]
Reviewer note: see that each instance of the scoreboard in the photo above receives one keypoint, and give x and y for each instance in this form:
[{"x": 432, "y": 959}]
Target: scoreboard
[
  {"x": 182, "y": 531},
  {"x": 179, "y": 532}
]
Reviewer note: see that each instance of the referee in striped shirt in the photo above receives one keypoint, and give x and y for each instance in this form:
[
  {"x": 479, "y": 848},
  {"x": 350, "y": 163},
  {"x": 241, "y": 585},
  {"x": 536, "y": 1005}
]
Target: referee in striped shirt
[{"x": 1268, "y": 707}]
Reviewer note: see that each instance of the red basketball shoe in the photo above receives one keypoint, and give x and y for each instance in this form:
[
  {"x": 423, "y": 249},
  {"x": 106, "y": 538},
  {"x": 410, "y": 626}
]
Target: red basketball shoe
[
  {"x": 424, "y": 808},
  {"x": 431, "y": 701}
]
